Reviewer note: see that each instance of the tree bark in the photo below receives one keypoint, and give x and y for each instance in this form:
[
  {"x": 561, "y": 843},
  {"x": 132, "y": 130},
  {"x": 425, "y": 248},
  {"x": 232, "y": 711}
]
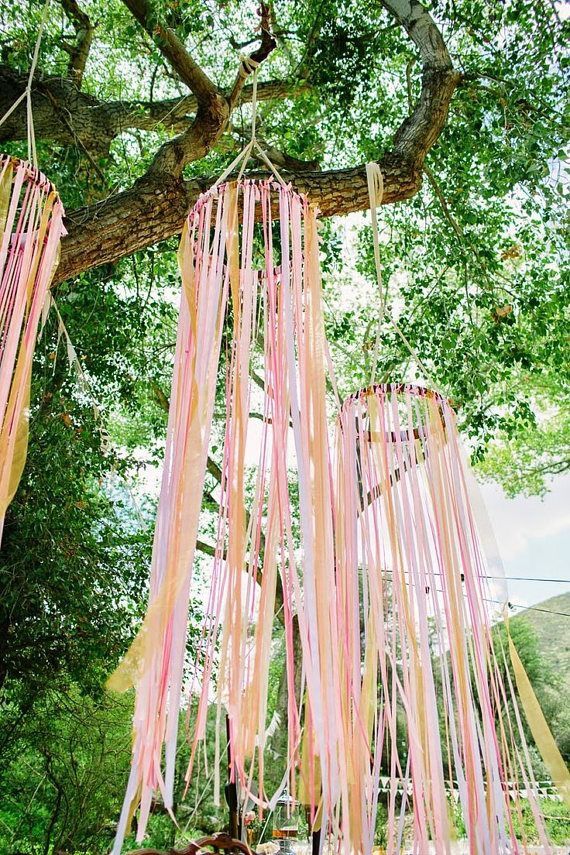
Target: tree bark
[
  {"x": 156, "y": 206},
  {"x": 67, "y": 116}
]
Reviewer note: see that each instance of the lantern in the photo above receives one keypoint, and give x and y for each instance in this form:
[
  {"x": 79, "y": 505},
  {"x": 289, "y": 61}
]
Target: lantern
[{"x": 286, "y": 822}]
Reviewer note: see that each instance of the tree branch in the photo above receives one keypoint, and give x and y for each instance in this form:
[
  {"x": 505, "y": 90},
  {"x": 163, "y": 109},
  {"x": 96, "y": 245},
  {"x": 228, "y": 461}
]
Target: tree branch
[
  {"x": 156, "y": 206},
  {"x": 214, "y": 108},
  {"x": 84, "y": 30},
  {"x": 67, "y": 116},
  {"x": 174, "y": 51},
  {"x": 155, "y": 209},
  {"x": 212, "y": 111},
  {"x": 419, "y": 131}
]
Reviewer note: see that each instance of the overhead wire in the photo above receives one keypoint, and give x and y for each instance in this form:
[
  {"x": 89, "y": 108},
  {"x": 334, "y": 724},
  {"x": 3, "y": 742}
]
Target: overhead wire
[{"x": 507, "y": 602}]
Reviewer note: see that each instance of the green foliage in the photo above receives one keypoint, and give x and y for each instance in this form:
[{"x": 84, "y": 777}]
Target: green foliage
[
  {"x": 63, "y": 782},
  {"x": 547, "y": 680},
  {"x": 525, "y": 461}
]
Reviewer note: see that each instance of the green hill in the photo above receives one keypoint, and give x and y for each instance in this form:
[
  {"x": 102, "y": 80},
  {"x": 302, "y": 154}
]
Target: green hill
[{"x": 553, "y": 631}]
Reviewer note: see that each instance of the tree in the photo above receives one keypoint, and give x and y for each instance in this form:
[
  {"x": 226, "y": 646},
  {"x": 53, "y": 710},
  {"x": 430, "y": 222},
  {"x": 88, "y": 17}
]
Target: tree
[
  {"x": 155, "y": 206},
  {"x": 138, "y": 105},
  {"x": 63, "y": 786}
]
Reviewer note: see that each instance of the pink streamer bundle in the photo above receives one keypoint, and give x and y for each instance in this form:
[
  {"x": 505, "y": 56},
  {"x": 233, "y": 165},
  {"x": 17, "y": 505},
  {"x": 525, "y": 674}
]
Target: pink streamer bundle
[
  {"x": 31, "y": 226},
  {"x": 217, "y": 257},
  {"x": 412, "y": 594},
  {"x": 256, "y": 551}
]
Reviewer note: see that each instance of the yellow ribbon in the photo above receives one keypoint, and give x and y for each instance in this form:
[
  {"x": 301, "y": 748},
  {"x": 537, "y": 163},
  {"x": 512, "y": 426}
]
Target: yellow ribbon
[{"x": 541, "y": 733}]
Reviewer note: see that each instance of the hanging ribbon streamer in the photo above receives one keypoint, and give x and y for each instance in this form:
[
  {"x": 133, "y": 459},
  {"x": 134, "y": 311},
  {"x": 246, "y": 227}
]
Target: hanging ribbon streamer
[
  {"x": 263, "y": 539},
  {"x": 541, "y": 733},
  {"x": 412, "y": 591},
  {"x": 155, "y": 661},
  {"x": 31, "y": 227}
]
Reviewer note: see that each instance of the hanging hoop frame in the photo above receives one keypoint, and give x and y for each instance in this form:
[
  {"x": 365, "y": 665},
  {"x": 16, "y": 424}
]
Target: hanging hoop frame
[
  {"x": 283, "y": 293},
  {"x": 387, "y": 389}
]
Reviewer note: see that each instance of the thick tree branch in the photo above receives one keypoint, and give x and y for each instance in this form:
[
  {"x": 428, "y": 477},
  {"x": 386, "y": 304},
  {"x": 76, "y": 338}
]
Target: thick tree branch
[
  {"x": 422, "y": 127},
  {"x": 156, "y": 206},
  {"x": 67, "y": 116}
]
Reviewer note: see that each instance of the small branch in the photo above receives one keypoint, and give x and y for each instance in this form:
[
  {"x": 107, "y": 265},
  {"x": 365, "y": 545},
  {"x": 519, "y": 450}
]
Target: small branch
[
  {"x": 78, "y": 139},
  {"x": 84, "y": 31},
  {"x": 206, "y": 548},
  {"x": 214, "y": 469},
  {"x": 311, "y": 38},
  {"x": 160, "y": 397},
  {"x": 464, "y": 239},
  {"x": 176, "y": 113},
  {"x": 443, "y": 202},
  {"x": 174, "y": 51}
]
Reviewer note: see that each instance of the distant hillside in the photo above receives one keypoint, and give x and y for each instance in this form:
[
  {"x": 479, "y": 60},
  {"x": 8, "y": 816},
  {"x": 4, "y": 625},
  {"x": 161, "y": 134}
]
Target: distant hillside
[{"x": 553, "y": 631}]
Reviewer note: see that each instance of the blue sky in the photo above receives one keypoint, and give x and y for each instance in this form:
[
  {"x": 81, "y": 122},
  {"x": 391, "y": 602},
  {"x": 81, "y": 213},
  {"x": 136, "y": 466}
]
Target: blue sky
[{"x": 533, "y": 535}]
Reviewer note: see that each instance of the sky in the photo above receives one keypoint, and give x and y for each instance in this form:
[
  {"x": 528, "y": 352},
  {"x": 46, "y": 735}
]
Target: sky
[{"x": 533, "y": 535}]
